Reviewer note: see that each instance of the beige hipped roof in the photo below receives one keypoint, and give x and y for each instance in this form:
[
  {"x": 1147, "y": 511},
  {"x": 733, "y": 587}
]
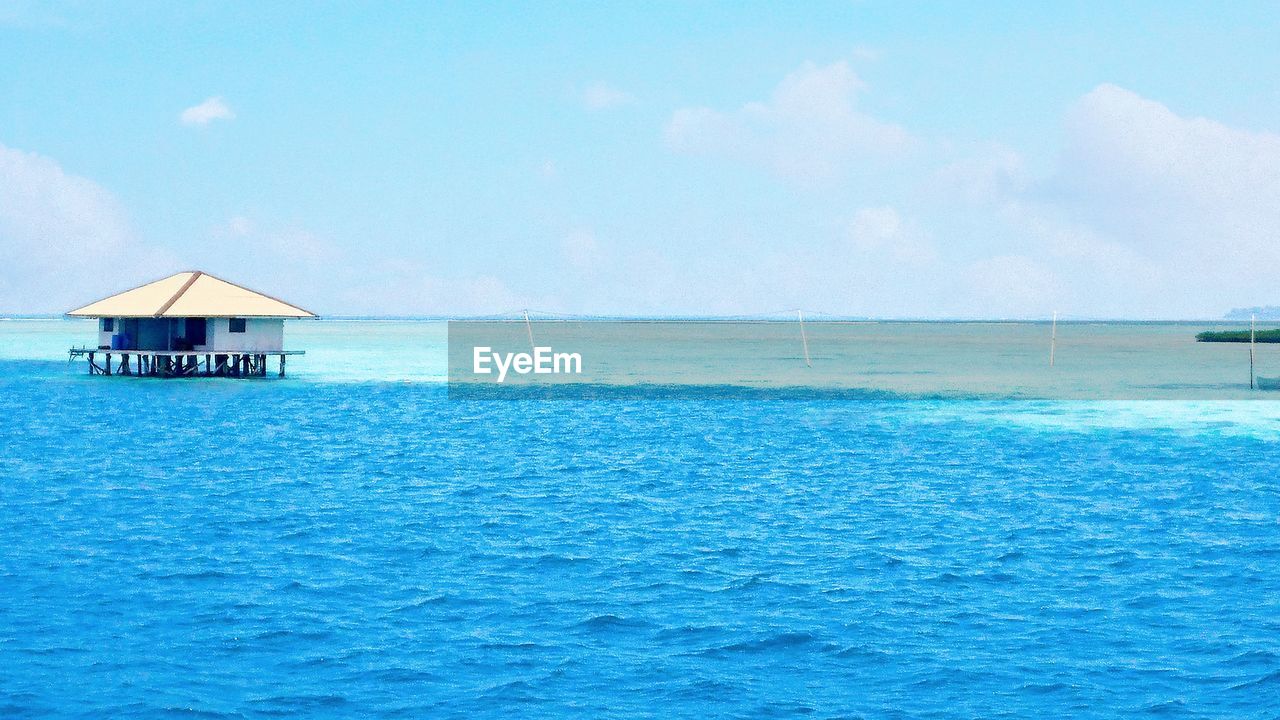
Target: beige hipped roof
[{"x": 191, "y": 294}]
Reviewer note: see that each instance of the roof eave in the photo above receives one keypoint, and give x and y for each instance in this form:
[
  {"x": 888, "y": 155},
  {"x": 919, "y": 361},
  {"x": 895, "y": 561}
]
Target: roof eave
[{"x": 193, "y": 277}]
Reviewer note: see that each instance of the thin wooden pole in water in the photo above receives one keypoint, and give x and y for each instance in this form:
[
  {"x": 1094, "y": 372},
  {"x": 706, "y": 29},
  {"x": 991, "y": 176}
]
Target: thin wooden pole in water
[
  {"x": 1053, "y": 338},
  {"x": 804, "y": 339},
  {"x": 1252, "y": 333},
  {"x": 528, "y": 326}
]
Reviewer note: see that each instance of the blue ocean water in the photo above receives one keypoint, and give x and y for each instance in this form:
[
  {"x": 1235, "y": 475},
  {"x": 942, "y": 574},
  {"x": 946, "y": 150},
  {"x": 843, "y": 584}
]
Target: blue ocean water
[{"x": 338, "y": 546}]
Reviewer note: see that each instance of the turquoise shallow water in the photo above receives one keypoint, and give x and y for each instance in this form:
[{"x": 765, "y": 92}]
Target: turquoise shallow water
[
  {"x": 327, "y": 546},
  {"x": 992, "y": 360}
]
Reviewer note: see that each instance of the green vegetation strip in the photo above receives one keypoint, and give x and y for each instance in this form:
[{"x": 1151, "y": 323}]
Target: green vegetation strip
[{"x": 1238, "y": 336}]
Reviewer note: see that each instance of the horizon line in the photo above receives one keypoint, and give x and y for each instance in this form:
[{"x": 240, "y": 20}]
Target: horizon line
[{"x": 815, "y": 318}]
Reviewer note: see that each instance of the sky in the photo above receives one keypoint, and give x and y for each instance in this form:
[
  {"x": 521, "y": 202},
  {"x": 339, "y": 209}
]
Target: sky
[{"x": 879, "y": 159}]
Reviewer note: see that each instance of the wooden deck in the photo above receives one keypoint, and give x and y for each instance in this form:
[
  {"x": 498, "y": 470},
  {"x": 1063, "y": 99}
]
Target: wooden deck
[{"x": 180, "y": 363}]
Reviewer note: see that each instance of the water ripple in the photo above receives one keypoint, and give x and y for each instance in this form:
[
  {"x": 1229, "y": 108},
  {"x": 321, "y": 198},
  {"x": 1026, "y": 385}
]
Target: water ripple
[{"x": 378, "y": 550}]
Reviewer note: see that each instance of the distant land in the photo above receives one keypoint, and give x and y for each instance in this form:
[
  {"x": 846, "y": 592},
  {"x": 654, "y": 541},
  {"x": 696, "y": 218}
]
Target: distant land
[
  {"x": 1265, "y": 312},
  {"x": 1239, "y": 336}
]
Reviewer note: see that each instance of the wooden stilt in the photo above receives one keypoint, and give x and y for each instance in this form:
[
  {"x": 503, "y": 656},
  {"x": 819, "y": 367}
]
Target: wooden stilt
[{"x": 159, "y": 363}]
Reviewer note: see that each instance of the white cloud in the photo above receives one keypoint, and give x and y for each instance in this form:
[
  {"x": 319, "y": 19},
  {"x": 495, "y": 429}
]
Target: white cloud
[
  {"x": 206, "y": 112},
  {"x": 1189, "y": 206},
  {"x": 989, "y": 173},
  {"x": 1147, "y": 213},
  {"x": 409, "y": 287},
  {"x": 239, "y": 226},
  {"x": 872, "y": 227},
  {"x": 865, "y": 53},
  {"x": 581, "y": 251},
  {"x": 331, "y": 276},
  {"x": 1137, "y": 170},
  {"x": 880, "y": 234},
  {"x": 601, "y": 96},
  {"x": 1011, "y": 286},
  {"x": 810, "y": 128},
  {"x": 1136, "y": 144},
  {"x": 64, "y": 239}
]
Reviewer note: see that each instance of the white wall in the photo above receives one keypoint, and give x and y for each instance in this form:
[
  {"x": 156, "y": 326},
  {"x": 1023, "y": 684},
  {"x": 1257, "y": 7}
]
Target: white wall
[
  {"x": 260, "y": 334},
  {"x": 104, "y": 338}
]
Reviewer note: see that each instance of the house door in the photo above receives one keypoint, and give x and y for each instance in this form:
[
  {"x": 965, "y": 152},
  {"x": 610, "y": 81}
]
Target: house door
[
  {"x": 129, "y": 328},
  {"x": 195, "y": 331}
]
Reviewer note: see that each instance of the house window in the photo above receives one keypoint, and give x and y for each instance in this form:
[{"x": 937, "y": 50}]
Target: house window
[
  {"x": 236, "y": 325},
  {"x": 108, "y": 324}
]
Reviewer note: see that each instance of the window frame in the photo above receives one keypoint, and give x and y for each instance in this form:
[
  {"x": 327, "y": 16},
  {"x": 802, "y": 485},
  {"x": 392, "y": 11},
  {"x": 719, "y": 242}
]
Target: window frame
[{"x": 231, "y": 325}]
